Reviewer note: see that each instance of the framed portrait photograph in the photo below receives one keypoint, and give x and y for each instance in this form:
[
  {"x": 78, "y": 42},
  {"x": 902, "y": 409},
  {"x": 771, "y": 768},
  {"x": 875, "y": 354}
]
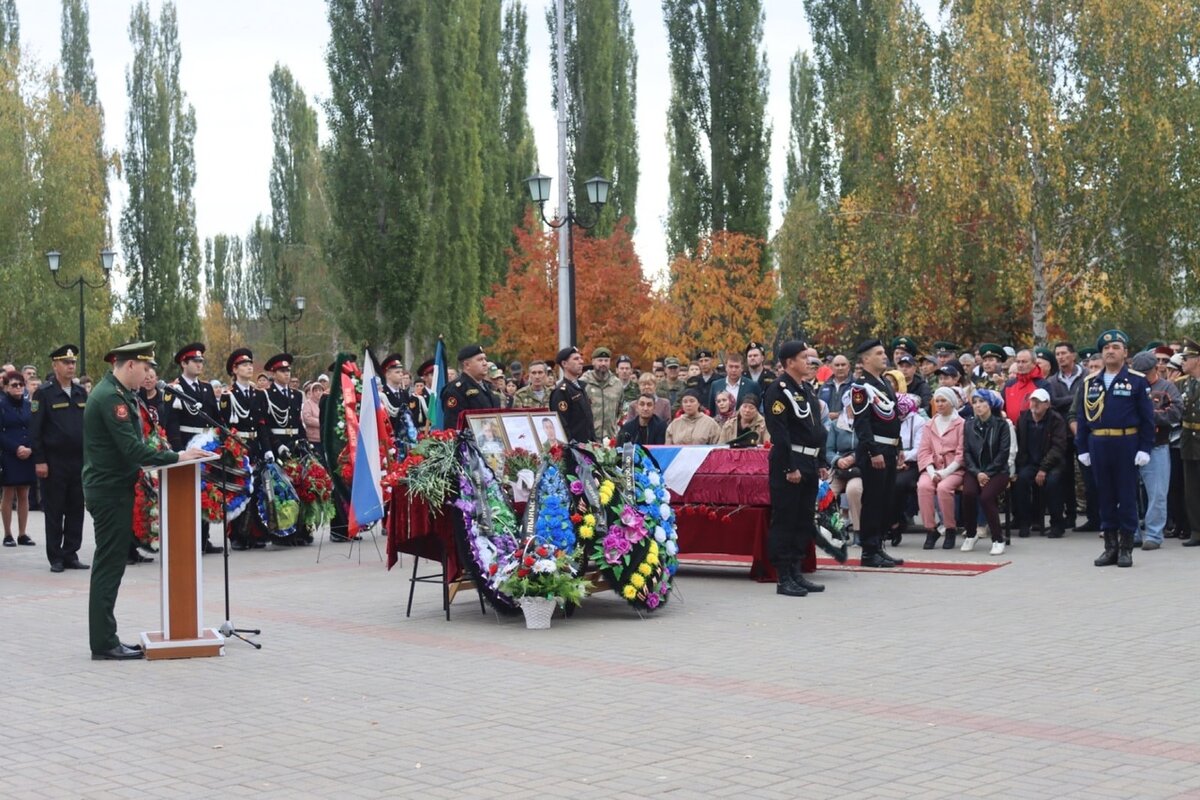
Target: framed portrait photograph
[
  {"x": 489, "y": 435},
  {"x": 548, "y": 429},
  {"x": 518, "y": 429}
]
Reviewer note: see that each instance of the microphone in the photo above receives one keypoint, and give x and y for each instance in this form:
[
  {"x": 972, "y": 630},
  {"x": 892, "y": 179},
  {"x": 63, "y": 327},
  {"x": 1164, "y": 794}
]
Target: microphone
[{"x": 161, "y": 386}]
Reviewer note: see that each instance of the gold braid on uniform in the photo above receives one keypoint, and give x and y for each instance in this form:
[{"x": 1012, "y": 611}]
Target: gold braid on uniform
[{"x": 1092, "y": 409}]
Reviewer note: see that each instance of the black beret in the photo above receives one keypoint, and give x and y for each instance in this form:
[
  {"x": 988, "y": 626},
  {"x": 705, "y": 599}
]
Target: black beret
[
  {"x": 869, "y": 344},
  {"x": 565, "y": 353},
  {"x": 790, "y": 349},
  {"x": 470, "y": 351},
  {"x": 756, "y": 346}
]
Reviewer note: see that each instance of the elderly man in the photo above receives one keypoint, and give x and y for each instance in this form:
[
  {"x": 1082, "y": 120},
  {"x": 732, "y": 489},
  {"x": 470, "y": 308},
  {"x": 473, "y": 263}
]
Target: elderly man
[
  {"x": 1016, "y": 391},
  {"x": 1041, "y": 457},
  {"x": 837, "y": 385},
  {"x": 1156, "y": 475},
  {"x": 693, "y": 426}
]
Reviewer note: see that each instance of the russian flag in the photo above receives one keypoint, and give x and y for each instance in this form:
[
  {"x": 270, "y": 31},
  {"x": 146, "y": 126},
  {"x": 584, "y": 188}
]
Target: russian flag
[
  {"x": 437, "y": 386},
  {"x": 366, "y": 492}
]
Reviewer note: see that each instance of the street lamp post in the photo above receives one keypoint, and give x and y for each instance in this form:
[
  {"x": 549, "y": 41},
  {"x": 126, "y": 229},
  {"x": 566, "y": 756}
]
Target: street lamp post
[
  {"x": 597, "y": 194},
  {"x": 284, "y": 317},
  {"x": 53, "y": 260}
]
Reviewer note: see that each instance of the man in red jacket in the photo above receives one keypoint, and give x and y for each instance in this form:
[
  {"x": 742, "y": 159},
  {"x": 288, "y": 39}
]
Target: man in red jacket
[{"x": 1016, "y": 391}]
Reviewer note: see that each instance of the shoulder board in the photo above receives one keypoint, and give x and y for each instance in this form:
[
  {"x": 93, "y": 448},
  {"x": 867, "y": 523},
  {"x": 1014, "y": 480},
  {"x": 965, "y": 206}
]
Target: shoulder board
[{"x": 1135, "y": 372}]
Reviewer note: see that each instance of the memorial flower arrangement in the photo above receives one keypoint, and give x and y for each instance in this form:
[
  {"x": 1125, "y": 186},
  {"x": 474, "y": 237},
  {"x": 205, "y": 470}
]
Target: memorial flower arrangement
[
  {"x": 230, "y": 480},
  {"x": 538, "y": 569},
  {"x": 278, "y": 505},
  {"x": 314, "y": 489},
  {"x": 518, "y": 460},
  {"x": 145, "y": 491},
  {"x": 489, "y": 524},
  {"x": 431, "y": 468}
]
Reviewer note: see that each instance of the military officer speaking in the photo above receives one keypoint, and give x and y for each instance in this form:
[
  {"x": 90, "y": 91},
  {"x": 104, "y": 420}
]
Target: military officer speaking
[
  {"x": 470, "y": 390},
  {"x": 113, "y": 452},
  {"x": 796, "y": 464},
  {"x": 56, "y": 430},
  {"x": 190, "y": 408},
  {"x": 569, "y": 399},
  {"x": 1114, "y": 436}
]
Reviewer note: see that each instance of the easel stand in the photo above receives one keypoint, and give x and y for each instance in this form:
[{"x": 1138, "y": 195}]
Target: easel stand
[{"x": 183, "y": 634}]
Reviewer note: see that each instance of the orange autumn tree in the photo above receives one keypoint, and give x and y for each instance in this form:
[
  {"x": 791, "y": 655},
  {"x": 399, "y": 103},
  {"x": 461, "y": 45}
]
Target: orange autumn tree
[
  {"x": 718, "y": 298},
  {"x": 522, "y": 312}
]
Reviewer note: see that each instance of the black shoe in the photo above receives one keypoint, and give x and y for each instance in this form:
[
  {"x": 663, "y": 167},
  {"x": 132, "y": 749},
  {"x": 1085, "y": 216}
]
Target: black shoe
[
  {"x": 118, "y": 653},
  {"x": 56, "y": 566},
  {"x": 76, "y": 564},
  {"x": 25, "y": 540},
  {"x": 10, "y": 541},
  {"x": 790, "y": 588},
  {"x": 1192, "y": 542},
  {"x": 897, "y": 534},
  {"x": 239, "y": 546},
  {"x": 896, "y": 562},
  {"x": 930, "y": 541},
  {"x": 1088, "y": 527},
  {"x": 1125, "y": 549},
  {"x": 1055, "y": 532},
  {"x": 208, "y": 549},
  {"x": 1109, "y": 556},
  {"x": 876, "y": 560},
  {"x": 137, "y": 647},
  {"x": 337, "y": 537},
  {"x": 951, "y": 535},
  {"x": 807, "y": 585},
  {"x": 1023, "y": 533}
]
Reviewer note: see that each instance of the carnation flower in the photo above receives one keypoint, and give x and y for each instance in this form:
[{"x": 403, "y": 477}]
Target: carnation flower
[
  {"x": 653, "y": 479},
  {"x": 652, "y": 601},
  {"x": 672, "y": 547},
  {"x": 545, "y": 565}
]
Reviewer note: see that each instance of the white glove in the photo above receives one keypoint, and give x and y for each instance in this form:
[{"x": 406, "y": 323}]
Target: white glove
[
  {"x": 269, "y": 457},
  {"x": 284, "y": 452},
  {"x": 1085, "y": 459},
  {"x": 1141, "y": 459}
]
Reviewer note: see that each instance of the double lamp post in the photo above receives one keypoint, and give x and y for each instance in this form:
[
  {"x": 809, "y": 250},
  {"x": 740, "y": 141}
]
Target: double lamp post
[
  {"x": 284, "y": 316},
  {"x": 54, "y": 261}
]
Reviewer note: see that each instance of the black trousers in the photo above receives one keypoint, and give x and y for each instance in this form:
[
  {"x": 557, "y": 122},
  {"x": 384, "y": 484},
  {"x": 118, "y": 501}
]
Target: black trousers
[
  {"x": 1176, "y": 507},
  {"x": 1093, "y": 497},
  {"x": 1051, "y": 495},
  {"x": 879, "y": 486},
  {"x": 1067, "y": 485},
  {"x": 793, "y": 520},
  {"x": 903, "y": 495},
  {"x": 62, "y": 501}
]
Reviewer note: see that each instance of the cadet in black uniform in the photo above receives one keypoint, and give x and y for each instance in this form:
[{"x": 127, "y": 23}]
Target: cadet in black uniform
[
  {"x": 470, "y": 390},
  {"x": 877, "y": 426},
  {"x": 189, "y": 407},
  {"x": 569, "y": 400},
  {"x": 796, "y": 464},
  {"x": 284, "y": 431},
  {"x": 56, "y": 428},
  {"x": 395, "y": 401},
  {"x": 244, "y": 410}
]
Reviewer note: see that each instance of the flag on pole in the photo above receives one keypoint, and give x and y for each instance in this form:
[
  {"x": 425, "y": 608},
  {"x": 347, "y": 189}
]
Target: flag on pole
[
  {"x": 366, "y": 492},
  {"x": 437, "y": 385}
]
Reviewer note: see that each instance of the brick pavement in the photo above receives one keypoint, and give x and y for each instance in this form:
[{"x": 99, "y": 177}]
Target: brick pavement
[{"x": 1047, "y": 678}]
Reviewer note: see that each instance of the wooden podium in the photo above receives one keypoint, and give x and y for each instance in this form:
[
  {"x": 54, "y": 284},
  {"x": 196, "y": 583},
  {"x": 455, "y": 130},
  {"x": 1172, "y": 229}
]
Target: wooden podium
[{"x": 183, "y": 634}]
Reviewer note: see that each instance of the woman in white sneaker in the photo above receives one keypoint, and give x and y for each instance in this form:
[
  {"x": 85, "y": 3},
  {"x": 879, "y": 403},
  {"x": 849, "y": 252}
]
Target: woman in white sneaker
[
  {"x": 940, "y": 459},
  {"x": 986, "y": 450}
]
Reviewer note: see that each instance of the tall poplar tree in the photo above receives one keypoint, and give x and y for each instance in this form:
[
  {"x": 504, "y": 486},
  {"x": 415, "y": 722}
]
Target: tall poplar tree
[
  {"x": 518, "y": 149},
  {"x": 601, "y": 102},
  {"x": 10, "y": 26},
  {"x": 380, "y": 116},
  {"x": 807, "y": 143},
  {"x": 718, "y": 110},
  {"x": 495, "y": 221},
  {"x": 78, "y": 72},
  {"x": 158, "y": 223}
]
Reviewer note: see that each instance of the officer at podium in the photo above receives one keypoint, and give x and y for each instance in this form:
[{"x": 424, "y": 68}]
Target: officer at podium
[{"x": 113, "y": 451}]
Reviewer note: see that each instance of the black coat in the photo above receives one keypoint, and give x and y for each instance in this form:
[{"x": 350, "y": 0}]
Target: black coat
[
  {"x": 987, "y": 438},
  {"x": 1054, "y": 440},
  {"x": 56, "y": 424},
  {"x": 14, "y": 433},
  {"x": 654, "y": 433},
  {"x": 574, "y": 410}
]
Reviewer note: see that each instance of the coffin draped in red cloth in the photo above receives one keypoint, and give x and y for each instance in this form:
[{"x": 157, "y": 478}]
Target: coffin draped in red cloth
[{"x": 414, "y": 529}]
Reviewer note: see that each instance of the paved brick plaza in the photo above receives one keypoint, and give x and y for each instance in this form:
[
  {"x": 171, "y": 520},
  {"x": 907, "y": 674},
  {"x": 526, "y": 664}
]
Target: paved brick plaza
[{"x": 1047, "y": 678}]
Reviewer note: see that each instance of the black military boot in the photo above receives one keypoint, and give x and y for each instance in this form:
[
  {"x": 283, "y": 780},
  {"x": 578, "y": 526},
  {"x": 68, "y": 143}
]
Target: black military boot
[
  {"x": 786, "y": 584},
  {"x": 930, "y": 540},
  {"x": 1125, "y": 549},
  {"x": 1109, "y": 556},
  {"x": 804, "y": 583}
]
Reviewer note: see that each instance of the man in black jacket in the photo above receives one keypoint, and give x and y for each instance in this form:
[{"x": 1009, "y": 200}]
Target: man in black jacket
[
  {"x": 645, "y": 427},
  {"x": 1041, "y": 458}
]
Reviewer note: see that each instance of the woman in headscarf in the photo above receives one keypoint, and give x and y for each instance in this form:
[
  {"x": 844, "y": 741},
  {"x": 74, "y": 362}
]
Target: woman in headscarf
[
  {"x": 986, "y": 447},
  {"x": 840, "y": 444},
  {"x": 940, "y": 461},
  {"x": 727, "y": 408},
  {"x": 747, "y": 427},
  {"x": 912, "y": 429}
]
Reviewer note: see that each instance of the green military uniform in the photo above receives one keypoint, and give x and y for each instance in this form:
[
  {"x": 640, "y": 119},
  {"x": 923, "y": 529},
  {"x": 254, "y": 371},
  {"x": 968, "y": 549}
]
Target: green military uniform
[
  {"x": 670, "y": 389},
  {"x": 604, "y": 394},
  {"x": 1189, "y": 442},
  {"x": 113, "y": 451},
  {"x": 525, "y": 398}
]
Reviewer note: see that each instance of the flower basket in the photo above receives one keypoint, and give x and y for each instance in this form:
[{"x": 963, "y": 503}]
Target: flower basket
[{"x": 538, "y": 612}]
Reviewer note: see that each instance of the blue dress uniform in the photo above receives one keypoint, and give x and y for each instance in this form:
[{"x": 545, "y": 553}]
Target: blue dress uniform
[{"x": 1115, "y": 424}]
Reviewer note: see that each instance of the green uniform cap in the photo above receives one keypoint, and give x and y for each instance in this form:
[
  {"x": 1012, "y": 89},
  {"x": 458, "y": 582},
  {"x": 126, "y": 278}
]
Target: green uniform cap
[
  {"x": 990, "y": 349},
  {"x": 1044, "y": 352},
  {"x": 142, "y": 351},
  {"x": 905, "y": 343},
  {"x": 944, "y": 348},
  {"x": 1110, "y": 336}
]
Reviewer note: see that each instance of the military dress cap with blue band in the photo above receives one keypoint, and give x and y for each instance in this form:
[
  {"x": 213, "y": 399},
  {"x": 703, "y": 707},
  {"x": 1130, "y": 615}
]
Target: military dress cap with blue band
[{"x": 1110, "y": 336}]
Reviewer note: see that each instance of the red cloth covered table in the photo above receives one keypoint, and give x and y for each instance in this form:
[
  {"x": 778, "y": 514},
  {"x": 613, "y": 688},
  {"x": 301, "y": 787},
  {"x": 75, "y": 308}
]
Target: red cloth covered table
[
  {"x": 731, "y": 485},
  {"x": 413, "y": 529}
]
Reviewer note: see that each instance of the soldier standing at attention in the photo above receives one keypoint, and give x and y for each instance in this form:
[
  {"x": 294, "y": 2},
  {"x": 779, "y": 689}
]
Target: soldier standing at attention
[
  {"x": 877, "y": 426},
  {"x": 570, "y": 400},
  {"x": 284, "y": 431},
  {"x": 470, "y": 390},
  {"x": 190, "y": 407},
  {"x": 244, "y": 411},
  {"x": 796, "y": 465},
  {"x": 1189, "y": 436},
  {"x": 113, "y": 452},
  {"x": 56, "y": 429},
  {"x": 1114, "y": 436}
]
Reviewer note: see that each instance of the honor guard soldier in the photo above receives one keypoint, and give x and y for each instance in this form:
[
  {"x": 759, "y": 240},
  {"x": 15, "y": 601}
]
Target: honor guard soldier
[
  {"x": 877, "y": 426},
  {"x": 244, "y": 411},
  {"x": 418, "y": 403},
  {"x": 1189, "y": 436},
  {"x": 1114, "y": 436},
  {"x": 470, "y": 390},
  {"x": 56, "y": 430},
  {"x": 395, "y": 402},
  {"x": 190, "y": 408},
  {"x": 113, "y": 453},
  {"x": 796, "y": 464},
  {"x": 569, "y": 398},
  {"x": 284, "y": 430}
]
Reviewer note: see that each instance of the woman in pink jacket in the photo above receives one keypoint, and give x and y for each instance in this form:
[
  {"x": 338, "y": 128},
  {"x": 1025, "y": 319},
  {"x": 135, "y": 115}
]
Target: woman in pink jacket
[{"x": 940, "y": 460}]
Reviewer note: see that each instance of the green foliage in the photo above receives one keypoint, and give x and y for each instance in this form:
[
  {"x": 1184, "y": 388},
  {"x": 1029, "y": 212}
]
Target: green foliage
[
  {"x": 158, "y": 223},
  {"x": 518, "y": 152},
  {"x": 601, "y": 102},
  {"x": 718, "y": 107},
  {"x": 807, "y": 142},
  {"x": 78, "y": 72}
]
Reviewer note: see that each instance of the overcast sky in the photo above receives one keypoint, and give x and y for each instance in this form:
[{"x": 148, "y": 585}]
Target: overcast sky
[{"x": 230, "y": 46}]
